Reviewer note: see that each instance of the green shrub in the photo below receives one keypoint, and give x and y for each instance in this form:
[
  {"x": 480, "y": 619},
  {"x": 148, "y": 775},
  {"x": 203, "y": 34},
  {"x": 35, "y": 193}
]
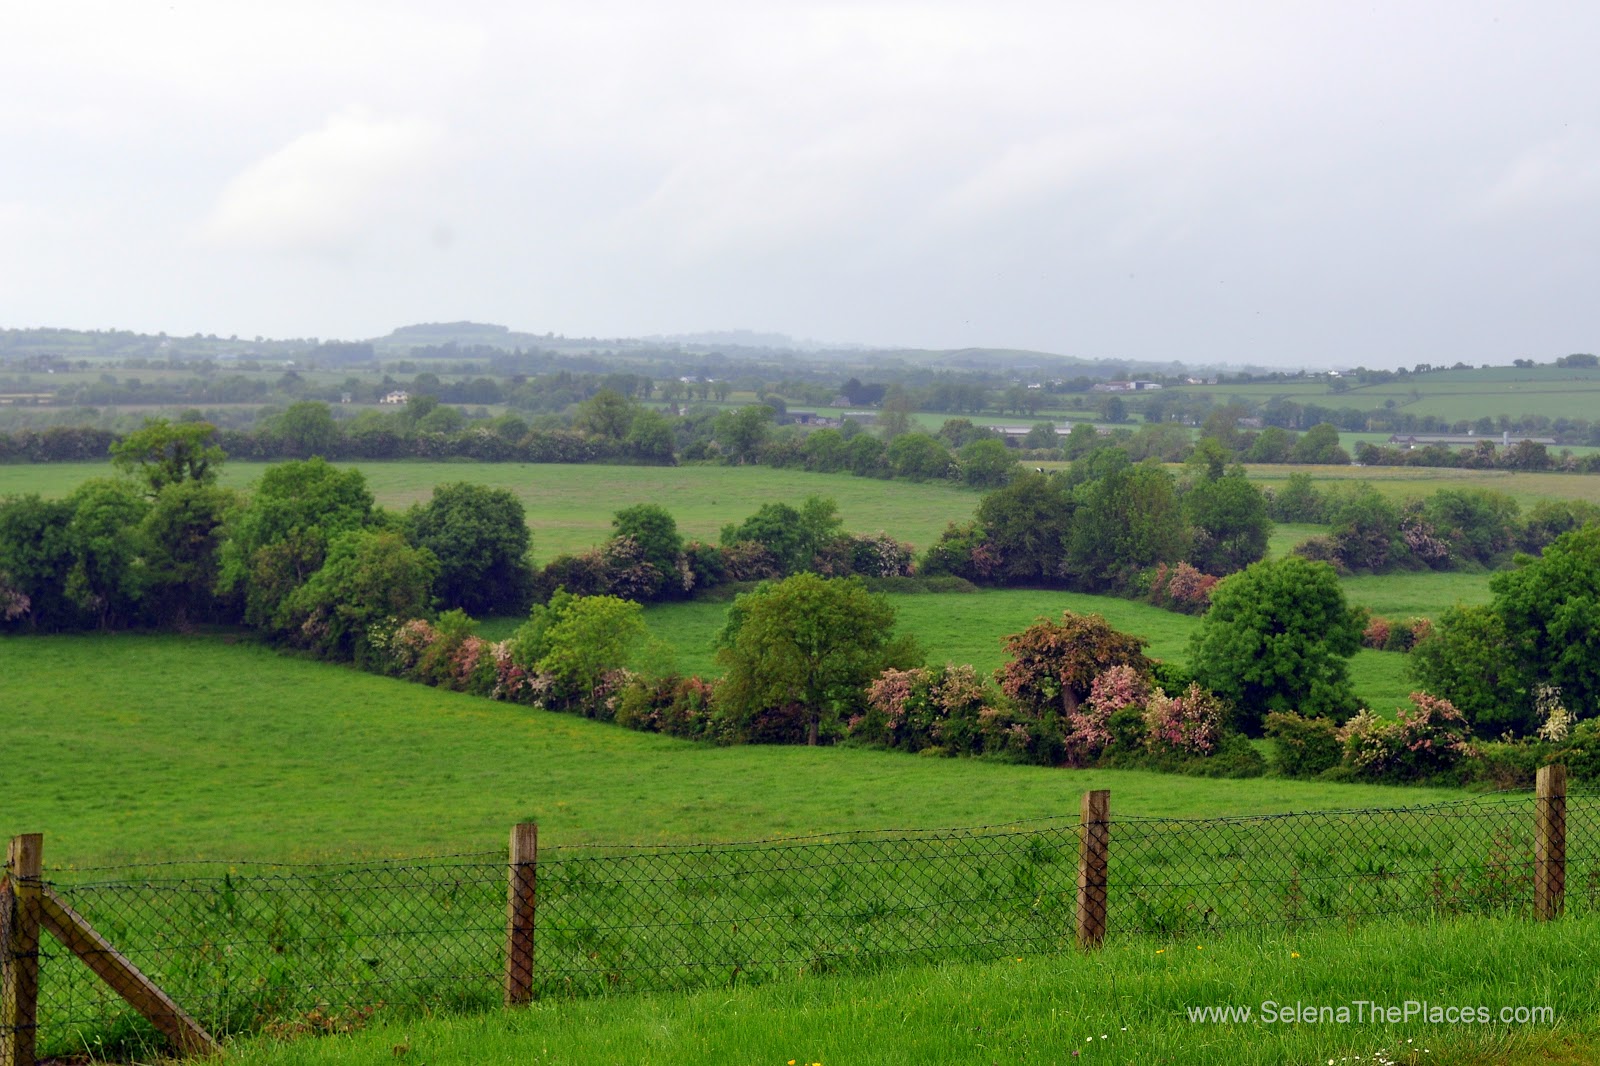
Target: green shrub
[
  {"x": 1304, "y": 747},
  {"x": 1234, "y": 756}
]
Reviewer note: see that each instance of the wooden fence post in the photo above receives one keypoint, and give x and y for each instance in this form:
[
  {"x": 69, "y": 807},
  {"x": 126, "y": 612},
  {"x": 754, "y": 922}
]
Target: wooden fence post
[
  {"x": 1094, "y": 856},
  {"x": 1550, "y": 843},
  {"x": 19, "y": 1011},
  {"x": 521, "y": 906}
]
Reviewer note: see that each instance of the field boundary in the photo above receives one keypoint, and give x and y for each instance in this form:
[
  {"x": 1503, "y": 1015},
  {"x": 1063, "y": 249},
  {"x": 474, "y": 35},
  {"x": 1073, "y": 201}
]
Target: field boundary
[{"x": 287, "y": 948}]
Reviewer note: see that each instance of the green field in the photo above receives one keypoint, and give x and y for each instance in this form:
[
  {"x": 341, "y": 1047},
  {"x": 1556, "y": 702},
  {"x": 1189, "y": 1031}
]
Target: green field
[
  {"x": 144, "y": 747},
  {"x": 1399, "y": 482},
  {"x": 970, "y": 628},
  {"x": 1127, "y": 1003},
  {"x": 1453, "y": 395},
  {"x": 570, "y": 507}
]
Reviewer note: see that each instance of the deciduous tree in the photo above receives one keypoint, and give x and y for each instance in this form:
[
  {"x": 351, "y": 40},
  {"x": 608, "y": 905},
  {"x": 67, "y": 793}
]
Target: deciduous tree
[{"x": 1277, "y": 638}]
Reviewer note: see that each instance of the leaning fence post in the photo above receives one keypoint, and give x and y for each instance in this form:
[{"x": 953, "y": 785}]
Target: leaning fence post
[
  {"x": 1550, "y": 843},
  {"x": 521, "y": 904},
  {"x": 19, "y": 1024},
  {"x": 1094, "y": 855}
]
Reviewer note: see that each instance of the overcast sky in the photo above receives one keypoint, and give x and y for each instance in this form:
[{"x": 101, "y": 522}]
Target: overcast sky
[{"x": 1274, "y": 182}]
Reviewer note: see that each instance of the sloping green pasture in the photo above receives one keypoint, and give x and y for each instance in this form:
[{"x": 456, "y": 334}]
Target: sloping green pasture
[{"x": 170, "y": 747}]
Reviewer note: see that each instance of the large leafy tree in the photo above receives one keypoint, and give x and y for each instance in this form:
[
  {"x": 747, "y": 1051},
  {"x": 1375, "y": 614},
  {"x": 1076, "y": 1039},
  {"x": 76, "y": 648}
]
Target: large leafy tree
[
  {"x": 805, "y": 648},
  {"x": 307, "y": 429},
  {"x": 743, "y": 432},
  {"x": 576, "y": 640},
  {"x": 918, "y": 457},
  {"x": 1466, "y": 660},
  {"x": 480, "y": 537},
  {"x": 1025, "y": 524},
  {"x": 1550, "y": 608},
  {"x": 987, "y": 463},
  {"x": 1126, "y": 521},
  {"x": 369, "y": 576},
  {"x": 1277, "y": 638},
  {"x": 107, "y": 577},
  {"x": 1051, "y": 665},
  {"x": 183, "y": 535},
  {"x": 1228, "y": 522},
  {"x": 162, "y": 453},
  {"x": 280, "y": 538},
  {"x": 656, "y": 532},
  {"x": 793, "y": 535}
]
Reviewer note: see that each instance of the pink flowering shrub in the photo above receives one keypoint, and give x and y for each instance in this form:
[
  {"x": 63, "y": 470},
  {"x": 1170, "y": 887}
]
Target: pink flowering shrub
[
  {"x": 1181, "y": 588},
  {"x": 1087, "y": 729},
  {"x": 1376, "y": 635},
  {"x": 1190, "y": 724},
  {"x": 922, "y": 708},
  {"x": 1431, "y": 737}
]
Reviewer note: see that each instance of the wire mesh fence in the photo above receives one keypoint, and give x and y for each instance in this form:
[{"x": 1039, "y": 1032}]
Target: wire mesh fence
[{"x": 250, "y": 947}]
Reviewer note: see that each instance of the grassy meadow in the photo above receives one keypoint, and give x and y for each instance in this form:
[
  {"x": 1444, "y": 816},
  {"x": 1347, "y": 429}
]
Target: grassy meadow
[
  {"x": 570, "y": 507},
  {"x": 1127, "y": 1003},
  {"x": 132, "y": 747},
  {"x": 170, "y": 748},
  {"x": 971, "y": 627}
]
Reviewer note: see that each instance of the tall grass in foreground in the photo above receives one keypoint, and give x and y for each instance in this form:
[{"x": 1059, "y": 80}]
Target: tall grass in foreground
[{"x": 1127, "y": 1003}]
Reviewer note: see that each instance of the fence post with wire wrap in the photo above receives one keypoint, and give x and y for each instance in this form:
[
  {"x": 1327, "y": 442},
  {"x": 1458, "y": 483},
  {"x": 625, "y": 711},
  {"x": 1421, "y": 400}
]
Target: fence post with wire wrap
[
  {"x": 1550, "y": 843},
  {"x": 521, "y": 910},
  {"x": 1094, "y": 860}
]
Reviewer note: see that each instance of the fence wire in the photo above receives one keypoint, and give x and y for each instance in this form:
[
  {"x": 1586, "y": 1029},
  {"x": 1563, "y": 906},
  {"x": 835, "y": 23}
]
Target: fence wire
[{"x": 323, "y": 948}]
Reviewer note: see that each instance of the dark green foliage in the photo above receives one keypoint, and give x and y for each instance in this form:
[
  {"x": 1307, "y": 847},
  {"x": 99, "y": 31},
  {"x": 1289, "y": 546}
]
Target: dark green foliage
[
  {"x": 280, "y": 538},
  {"x": 801, "y": 651},
  {"x": 163, "y": 453},
  {"x": 987, "y": 463},
  {"x": 35, "y": 561},
  {"x": 306, "y": 429},
  {"x": 1025, "y": 525},
  {"x": 963, "y": 552},
  {"x": 741, "y": 433},
  {"x": 1124, "y": 522},
  {"x": 369, "y": 577},
  {"x": 1478, "y": 524},
  {"x": 1467, "y": 660},
  {"x": 1234, "y": 757},
  {"x": 1297, "y": 501},
  {"x": 1548, "y": 519},
  {"x": 1277, "y": 638},
  {"x": 108, "y": 576},
  {"x": 1042, "y": 436},
  {"x": 1228, "y": 523},
  {"x": 1550, "y": 608},
  {"x": 1320, "y": 444},
  {"x": 656, "y": 531},
  {"x": 1303, "y": 747},
  {"x": 480, "y": 538},
  {"x": 1366, "y": 530},
  {"x": 793, "y": 536},
  {"x": 918, "y": 457},
  {"x": 183, "y": 536}
]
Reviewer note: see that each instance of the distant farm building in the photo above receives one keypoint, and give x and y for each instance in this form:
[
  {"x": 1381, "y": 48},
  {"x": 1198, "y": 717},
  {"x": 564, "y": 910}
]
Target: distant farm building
[
  {"x": 1125, "y": 386},
  {"x": 1460, "y": 440},
  {"x": 398, "y": 396}
]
